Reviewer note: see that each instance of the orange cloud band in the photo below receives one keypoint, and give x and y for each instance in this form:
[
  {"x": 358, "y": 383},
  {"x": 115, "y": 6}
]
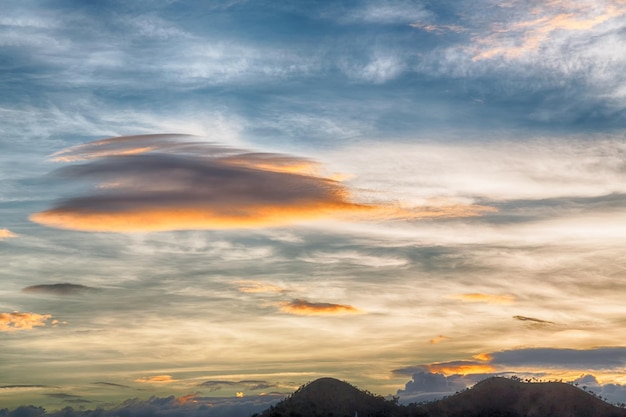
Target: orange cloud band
[
  {"x": 484, "y": 298},
  {"x": 306, "y": 308},
  {"x": 15, "y": 321},
  {"x": 460, "y": 367},
  {"x": 157, "y": 379},
  {"x": 155, "y": 220}
]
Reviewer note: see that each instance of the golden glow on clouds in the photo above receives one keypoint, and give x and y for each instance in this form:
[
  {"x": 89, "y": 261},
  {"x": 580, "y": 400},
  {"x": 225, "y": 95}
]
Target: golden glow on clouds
[
  {"x": 514, "y": 39},
  {"x": 306, "y": 308},
  {"x": 483, "y": 357},
  {"x": 258, "y": 287},
  {"x": 169, "y": 182},
  {"x": 484, "y": 298},
  {"x": 189, "y": 398},
  {"x": 437, "y": 339},
  {"x": 239, "y": 394},
  {"x": 10, "y": 322},
  {"x": 6, "y": 234},
  {"x": 460, "y": 367},
  {"x": 156, "y": 220},
  {"x": 157, "y": 379}
]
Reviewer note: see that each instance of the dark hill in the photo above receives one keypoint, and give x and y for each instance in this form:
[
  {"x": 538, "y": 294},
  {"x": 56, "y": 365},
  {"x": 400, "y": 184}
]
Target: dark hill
[
  {"x": 493, "y": 397},
  {"x": 329, "y": 397},
  {"x": 504, "y": 397}
]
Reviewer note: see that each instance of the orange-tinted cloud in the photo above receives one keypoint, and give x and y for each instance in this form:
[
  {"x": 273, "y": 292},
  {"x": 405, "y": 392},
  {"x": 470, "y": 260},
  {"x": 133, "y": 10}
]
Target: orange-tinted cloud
[
  {"x": 460, "y": 367},
  {"x": 15, "y": 321},
  {"x": 307, "y": 308},
  {"x": 485, "y": 298},
  {"x": 157, "y": 379},
  {"x": 258, "y": 287},
  {"x": 6, "y": 234},
  {"x": 437, "y": 339},
  {"x": 514, "y": 39},
  {"x": 177, "y": 182},
  {"x": 485, "y": 357}
]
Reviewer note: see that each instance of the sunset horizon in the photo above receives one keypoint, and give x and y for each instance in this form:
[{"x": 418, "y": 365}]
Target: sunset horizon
[{"x": 214, "y": 203}]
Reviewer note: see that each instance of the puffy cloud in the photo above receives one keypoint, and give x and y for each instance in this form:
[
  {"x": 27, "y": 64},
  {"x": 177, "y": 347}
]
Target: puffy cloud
[
  {"x": 16, "y": 321},
  {"x": 58, "y": 289},
  {"x": 6, "y": 234},
  {"x": 156, "y": 379},
  {"x": 426, "y": 386},
  {"x": 307, "y": 308}
]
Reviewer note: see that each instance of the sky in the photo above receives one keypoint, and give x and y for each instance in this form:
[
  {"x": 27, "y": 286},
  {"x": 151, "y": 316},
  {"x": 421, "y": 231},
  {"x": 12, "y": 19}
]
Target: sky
[{"x": 204, "y": 205}]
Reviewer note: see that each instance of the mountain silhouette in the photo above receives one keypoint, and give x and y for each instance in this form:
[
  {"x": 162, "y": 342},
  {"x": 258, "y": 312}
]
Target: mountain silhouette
[
  {"x": 329, "y": 397},
  {"x": 493, "y": 397}
]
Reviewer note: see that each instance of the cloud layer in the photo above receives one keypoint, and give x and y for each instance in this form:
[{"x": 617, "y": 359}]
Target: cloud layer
[{"x": 164, "y": 182}]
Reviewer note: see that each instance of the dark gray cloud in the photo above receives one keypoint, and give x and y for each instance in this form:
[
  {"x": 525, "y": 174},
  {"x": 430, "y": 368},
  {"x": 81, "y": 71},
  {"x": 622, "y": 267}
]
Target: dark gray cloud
[
  {"x": 59, "y": 289},
  {"x": 111, "y": 384},
  {"x": 146, "y": 186},
  {"x": 533, "y": 322},
  {"x": 186, "y": 406},
  {"x": 598, "y": 358},
  {"x": 68, "y": 398}
]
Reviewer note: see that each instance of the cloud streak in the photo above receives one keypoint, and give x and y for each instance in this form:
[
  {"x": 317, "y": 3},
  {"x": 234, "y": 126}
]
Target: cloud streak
[
  {"x": 484, "y": 298},
  {"x": 156, "y": 379},
  {"x": 307, "y": 308},
  {"x": 58, "y": 289}
]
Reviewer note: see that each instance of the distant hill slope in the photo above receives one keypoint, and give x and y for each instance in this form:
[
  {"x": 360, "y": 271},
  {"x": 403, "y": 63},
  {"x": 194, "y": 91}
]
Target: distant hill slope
[{"x": 493, "y": 397}]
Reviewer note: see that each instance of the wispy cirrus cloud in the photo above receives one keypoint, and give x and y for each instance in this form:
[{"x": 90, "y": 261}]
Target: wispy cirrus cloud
[
  {"x": 258, "y": 287},
  {"x": 512, "y": 39},
  {"x": 485, "y": 298},
  {"x": 308, "y": 308},
  {"x": 16, "y": 321}
]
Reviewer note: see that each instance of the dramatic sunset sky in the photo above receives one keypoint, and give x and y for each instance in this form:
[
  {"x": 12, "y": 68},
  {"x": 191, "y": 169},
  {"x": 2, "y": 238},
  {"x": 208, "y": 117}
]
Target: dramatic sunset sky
[{"x": 205, "y": 204}]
